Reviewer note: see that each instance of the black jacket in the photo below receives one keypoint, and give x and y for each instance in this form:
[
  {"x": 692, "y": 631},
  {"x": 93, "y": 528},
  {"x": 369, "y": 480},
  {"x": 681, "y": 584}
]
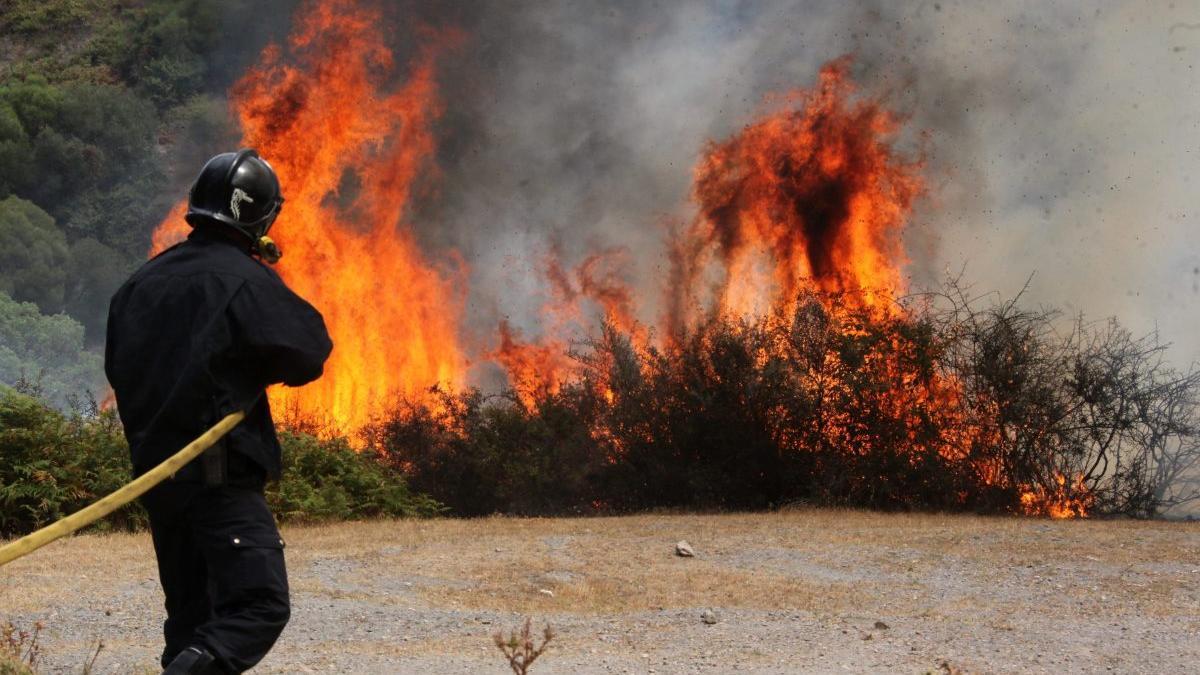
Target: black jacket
[{"x": 199, "y": 332}]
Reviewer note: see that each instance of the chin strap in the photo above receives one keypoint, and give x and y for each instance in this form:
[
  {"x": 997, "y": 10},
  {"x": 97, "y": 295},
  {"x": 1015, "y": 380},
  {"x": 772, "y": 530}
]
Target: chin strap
[{"x": 267, "y": 249}]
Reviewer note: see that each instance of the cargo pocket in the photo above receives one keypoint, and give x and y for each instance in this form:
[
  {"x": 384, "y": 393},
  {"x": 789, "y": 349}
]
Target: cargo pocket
[
  {"x": 251, "y": 590},
  {"x": 256, "y": 563}
]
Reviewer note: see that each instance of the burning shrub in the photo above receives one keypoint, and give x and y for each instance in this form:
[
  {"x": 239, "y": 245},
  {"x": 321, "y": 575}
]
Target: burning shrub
[
  {"x": 691, "y": 426},
  {"x": 480, "y": 455},
  {"x": 831, "y": 403},
  {"x": 1092, "y": 419}
]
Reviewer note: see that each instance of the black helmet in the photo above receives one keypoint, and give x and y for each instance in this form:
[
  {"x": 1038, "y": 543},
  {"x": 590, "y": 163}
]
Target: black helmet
[{"x": 238, "y": 189}]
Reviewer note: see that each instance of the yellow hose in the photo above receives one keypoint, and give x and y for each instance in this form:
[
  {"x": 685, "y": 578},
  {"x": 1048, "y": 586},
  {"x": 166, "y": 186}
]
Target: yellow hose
[{"x": 139, "y": 486}]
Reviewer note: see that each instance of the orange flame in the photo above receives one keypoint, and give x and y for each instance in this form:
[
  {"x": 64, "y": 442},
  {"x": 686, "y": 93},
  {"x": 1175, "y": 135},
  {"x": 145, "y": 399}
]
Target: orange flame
[
  {"x": 1064, "y": 500},
  {"x": 810, "y": 197},
  {"x": 533, "y": 368},
  {"x": 349, "y": 155},
  {"x": 814, "y": 198},
  {"x": 543, "y": 365}
]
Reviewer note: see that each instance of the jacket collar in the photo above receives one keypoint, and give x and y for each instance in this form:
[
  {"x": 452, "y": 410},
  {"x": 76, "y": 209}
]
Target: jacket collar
[{"x": 206, "y": 234}]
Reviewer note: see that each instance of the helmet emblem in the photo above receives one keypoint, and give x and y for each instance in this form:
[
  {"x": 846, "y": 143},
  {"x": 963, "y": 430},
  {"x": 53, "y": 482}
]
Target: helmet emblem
[{"x": 235, "y": 202}]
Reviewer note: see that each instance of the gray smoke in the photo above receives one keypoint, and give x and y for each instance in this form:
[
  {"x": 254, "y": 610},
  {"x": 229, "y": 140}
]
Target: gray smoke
[{"x": 1060, "y": 139}]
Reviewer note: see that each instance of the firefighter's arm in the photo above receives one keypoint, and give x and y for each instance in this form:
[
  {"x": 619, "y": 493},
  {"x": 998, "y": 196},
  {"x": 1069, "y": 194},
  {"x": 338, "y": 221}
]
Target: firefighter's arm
[{"x": 285, "y": 334}]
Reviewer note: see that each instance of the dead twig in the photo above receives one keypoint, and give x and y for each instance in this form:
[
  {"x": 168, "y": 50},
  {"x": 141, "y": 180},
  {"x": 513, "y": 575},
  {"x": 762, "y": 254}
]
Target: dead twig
[{"x": 519, "y": 647}]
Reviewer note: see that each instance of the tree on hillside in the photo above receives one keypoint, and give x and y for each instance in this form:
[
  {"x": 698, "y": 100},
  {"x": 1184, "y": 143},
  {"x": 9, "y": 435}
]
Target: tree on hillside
[
  {"x": 84, "y": 153},
  {"x": 107, "y": 110},
  {"x": 93, "y": 276},
  {"x": 33, "y": 255},
  {"x": 46, "y": 351}
]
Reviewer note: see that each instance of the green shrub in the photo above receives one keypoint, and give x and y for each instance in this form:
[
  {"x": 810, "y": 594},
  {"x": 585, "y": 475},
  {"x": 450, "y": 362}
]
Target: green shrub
[
  {"x": 30, "y": 16},
  {"x": 329, "y": 480},
  {"x": 53, "y": 464}
]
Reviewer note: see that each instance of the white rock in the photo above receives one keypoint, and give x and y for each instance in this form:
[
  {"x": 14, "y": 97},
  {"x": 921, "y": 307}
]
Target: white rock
[
  {"x": 709, "y": 617},
  {"x": 684, "y": 549}
]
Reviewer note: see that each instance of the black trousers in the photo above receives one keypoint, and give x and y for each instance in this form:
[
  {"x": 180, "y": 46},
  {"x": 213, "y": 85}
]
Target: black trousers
[{"x": 220, "y": 560}]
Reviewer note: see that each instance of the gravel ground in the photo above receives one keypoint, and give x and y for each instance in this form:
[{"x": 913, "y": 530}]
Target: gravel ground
[{"x": 807, "y": 591}]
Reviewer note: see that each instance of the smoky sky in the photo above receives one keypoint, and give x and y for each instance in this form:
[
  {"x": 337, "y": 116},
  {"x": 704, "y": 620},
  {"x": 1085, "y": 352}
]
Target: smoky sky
[{"x": 1060, "y": 140}]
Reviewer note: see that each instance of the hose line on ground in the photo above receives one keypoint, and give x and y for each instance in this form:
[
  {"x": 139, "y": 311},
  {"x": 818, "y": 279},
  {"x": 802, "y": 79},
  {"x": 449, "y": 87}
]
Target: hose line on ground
[{"x": 131, "y": 491}]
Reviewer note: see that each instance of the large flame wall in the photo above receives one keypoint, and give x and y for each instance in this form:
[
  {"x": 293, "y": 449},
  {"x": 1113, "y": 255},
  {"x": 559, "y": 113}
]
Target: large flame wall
[
  {"x": 810, "y": 197},
  {"x": 350, "y": 149}
]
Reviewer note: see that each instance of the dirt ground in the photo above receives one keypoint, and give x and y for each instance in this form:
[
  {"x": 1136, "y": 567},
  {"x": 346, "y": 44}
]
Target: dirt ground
[{"x": 799, "y": 591}]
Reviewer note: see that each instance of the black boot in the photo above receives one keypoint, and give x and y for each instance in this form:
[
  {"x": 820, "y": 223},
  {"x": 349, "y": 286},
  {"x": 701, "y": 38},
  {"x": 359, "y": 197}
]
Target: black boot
[{"x": 192, "y": 661}]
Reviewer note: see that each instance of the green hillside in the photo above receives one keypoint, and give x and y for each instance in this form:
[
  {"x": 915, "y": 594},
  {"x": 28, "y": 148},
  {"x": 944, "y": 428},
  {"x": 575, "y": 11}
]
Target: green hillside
[{"x": 107, "y": 107}]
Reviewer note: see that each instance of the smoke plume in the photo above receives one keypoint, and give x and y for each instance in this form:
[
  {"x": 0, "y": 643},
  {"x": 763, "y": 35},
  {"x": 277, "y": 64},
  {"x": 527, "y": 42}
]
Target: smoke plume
[{"x": 1058, "y": 140}]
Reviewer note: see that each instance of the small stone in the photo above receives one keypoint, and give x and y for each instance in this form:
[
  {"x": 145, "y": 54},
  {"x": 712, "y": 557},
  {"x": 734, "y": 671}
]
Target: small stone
[
  {"x": 709, "y": 617},
  {"x": 546, "y": 592},
  {"x": 684, "y": 549},
  {"x": 879, "y": 625}
]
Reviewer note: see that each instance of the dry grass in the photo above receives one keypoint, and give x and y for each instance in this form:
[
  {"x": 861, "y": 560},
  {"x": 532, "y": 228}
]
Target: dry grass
[
  {"x": 843, "y": 570},
  {"x": 38, "y": 579},
  {"x": 608, "y": 565}
]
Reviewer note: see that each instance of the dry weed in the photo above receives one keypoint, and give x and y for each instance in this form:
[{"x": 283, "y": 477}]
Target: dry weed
[{"x": 520, "y": 649}]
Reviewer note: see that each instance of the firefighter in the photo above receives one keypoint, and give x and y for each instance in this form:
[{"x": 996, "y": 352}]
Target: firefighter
[{"x": 196, "y": 333}]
